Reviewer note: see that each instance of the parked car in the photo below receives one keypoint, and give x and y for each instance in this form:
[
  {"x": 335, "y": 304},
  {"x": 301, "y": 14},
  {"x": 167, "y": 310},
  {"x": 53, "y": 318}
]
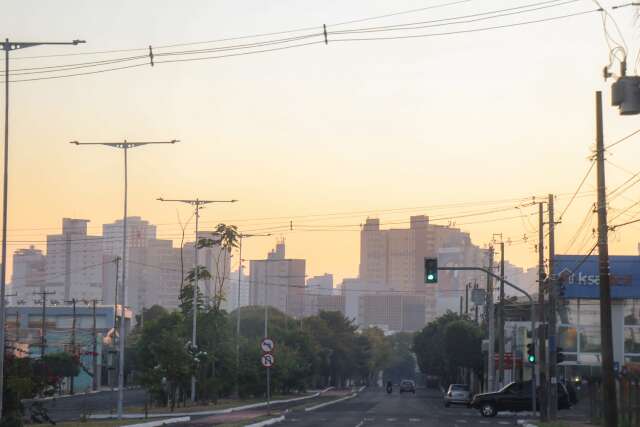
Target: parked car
[
  {"x": 514, "y": 397},
  {"x": 457, "y": 394},
  {"x": 408, "y": 386}
]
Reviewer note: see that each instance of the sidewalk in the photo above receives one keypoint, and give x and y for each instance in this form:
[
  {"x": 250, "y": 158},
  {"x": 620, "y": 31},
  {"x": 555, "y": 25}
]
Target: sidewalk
[{"x": 210, "y": 412}]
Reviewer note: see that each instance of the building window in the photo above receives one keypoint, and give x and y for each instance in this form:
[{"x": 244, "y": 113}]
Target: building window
[
  {"x": 631, "y": 310},
  {"x": 590, "y": 340},
  {"x": 568, "y": 338},
  {"x": 632, "y": 340}
]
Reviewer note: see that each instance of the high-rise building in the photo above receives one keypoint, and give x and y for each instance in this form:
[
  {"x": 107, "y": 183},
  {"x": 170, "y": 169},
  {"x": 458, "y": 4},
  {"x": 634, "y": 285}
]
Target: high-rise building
[
  {"x": 231, "y": 296},
  {"x": 394, "y": 260},
  {"x": 28, "y": 275},
  {"x": 74, "y": 262},
  {"x": 279, "y": 282}
]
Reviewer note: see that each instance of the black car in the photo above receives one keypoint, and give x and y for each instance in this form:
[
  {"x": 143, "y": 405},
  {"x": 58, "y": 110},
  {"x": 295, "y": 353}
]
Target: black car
[{"x": 514, "y": 397}]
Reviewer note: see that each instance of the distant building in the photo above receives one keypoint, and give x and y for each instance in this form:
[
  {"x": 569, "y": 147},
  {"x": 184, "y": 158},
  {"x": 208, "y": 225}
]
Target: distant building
[
  {"x": 28, "y": 275},
  {"x": 279, "y": 282},
  {"x": 321, "y": 285},
  {"x": 231, "y": 301},
  {"x": 74, "y": 262},
  {"x": 393, "y": 260}
]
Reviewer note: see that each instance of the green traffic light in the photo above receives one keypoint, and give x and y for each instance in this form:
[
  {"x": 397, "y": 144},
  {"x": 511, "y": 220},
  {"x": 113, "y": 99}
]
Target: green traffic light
[
  {"x": 430, "y": 277},
  {"x": 532, "y": 358}
]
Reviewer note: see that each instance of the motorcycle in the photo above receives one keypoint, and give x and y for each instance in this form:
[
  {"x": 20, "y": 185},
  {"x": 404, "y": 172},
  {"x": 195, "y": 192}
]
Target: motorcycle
[{"x": 389, "y": 388}]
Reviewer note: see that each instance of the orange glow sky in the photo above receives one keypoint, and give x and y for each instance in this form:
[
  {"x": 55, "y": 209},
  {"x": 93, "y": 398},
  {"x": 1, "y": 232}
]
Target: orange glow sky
[{"x": 355, "y": 128}]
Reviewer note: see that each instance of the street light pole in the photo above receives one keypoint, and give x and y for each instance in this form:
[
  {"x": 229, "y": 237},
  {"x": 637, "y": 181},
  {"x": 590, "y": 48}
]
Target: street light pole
[
  {"x": 8, "y": 46},
  {"x": 125, "y": 146},
  {"x": 197, "y": 203},
  {"x": 240, "y": 236}
]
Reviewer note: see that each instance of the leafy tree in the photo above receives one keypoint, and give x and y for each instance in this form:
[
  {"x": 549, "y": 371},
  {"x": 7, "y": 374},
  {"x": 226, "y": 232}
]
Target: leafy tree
[
  {"x": 402, "y": 363},
  {"x": 226, "y": 237}
]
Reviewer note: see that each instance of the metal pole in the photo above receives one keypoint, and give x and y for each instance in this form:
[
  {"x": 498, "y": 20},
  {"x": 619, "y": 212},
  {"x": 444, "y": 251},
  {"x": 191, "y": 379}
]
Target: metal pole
[
  {"x": 237, "y": 391},
  {"x": 123, "y": 298},
  {"x": 610, "y": 413},
  {"x": 194, "y": 303},
  {"x": 540, "y": 345},
  {"x": 492, "y": 334},
  {"x": 266, "y": 329},
  {"x": 552, "y": 403},
  {"x": 73, "y": 339},
  {"x": 501, "y": 319},
  {"x": 3, "y": 279}
]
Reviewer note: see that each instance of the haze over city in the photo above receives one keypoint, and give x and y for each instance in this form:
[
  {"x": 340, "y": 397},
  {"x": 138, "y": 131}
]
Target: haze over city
[
  {"x": 362, "y": 128},
  {"x": 362, "y": 213}
]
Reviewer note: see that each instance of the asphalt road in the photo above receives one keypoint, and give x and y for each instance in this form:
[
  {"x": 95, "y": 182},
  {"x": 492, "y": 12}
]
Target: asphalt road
[{"x": 374, "y": 407}]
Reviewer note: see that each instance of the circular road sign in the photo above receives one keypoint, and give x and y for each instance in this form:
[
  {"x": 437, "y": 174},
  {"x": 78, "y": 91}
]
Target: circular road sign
[
  {"x": 267, "y": 345},
  {"x": 267, "y": 360}
]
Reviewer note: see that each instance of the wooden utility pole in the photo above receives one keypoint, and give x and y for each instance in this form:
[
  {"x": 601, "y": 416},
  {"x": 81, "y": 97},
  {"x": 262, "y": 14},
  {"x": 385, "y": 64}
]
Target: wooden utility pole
[
  {"x": 74, "y": 350},
  {"x": 490, "y": 321},
  {"x": 501, "y": 317},
  {"x": 94, "y": 355},
  {"x": 43, "y": 338},
  {"x": 541, "y": 345},
  {"x": 610, "y": 412},
  {"x": 551, "y": 319}
]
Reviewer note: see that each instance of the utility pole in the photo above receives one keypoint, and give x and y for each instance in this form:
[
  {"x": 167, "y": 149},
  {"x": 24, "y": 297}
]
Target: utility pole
[
  {"x": 8, "y": 47},
  {"x": 94, "y": 356},
  {"x": 475, "y": 286},
  {"x": 125, "y": 146},
  {"x": 461, "y": 305},
  {"x": 43, "y": 338},
  {"x": 552, "y": 318},
  {"x": 466, "y": 298},
  {"x": 492, "y": 333},
  {"x": 501, "y": 317},
  {"x": 541, "y": 345},
  {"x": 198, "y": 204},
  {"x": 238, "y": 308},
  {"x": 74, "y": 350},
  {"x": 116, "y": 260},
  {"x": 610, "y": 412}
]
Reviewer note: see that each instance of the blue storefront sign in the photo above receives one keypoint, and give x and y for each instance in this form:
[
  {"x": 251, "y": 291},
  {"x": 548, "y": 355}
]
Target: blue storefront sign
[{"x": 580, "y": 277}]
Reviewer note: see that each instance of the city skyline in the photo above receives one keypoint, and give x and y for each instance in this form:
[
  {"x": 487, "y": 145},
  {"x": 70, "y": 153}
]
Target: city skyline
[{"x": 276, "y": 151}]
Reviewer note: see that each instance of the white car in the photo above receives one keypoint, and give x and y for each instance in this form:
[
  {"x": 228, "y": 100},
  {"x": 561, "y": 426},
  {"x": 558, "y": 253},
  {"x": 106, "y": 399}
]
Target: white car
[{"x": 458, "y": 394}]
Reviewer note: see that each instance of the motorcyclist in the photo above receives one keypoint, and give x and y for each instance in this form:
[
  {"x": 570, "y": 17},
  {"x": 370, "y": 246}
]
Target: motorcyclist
[{"x": 389, "y": 387}]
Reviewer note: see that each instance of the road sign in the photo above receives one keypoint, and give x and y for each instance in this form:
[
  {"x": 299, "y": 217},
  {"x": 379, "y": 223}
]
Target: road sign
[
  {"x": 478, "y": 296},
  {"x": 267, "y": 345},
  {"x": 267, "y": 360}
]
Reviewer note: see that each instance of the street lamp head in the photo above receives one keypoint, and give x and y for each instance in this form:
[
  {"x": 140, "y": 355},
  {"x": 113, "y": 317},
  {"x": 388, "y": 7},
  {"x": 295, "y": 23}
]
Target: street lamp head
[
  {"x": 233, "y": 201},
  {"x": 77, "y": 42},
  {"x": 160, "y": 199},
  {"x": 74, "y": 142},
  {"x": 173, "y": 141}
]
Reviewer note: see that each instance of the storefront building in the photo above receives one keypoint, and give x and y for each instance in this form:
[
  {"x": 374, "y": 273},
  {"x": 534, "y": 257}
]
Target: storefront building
[{"x": 579, "y": 313}]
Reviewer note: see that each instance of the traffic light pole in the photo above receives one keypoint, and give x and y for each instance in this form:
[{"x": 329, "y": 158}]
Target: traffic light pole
[{"x": 533, "y": 320}]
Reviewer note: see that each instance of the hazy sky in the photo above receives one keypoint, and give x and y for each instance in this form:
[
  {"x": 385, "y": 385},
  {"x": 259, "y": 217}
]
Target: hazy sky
[{"x": 361, "y": 128}]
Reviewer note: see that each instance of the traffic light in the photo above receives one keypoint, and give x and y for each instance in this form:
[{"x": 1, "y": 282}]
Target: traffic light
[
  {"x": 559, "y": 355},
  {"x": 430, "y": 270},
  {"x": 531, "y": 353}
]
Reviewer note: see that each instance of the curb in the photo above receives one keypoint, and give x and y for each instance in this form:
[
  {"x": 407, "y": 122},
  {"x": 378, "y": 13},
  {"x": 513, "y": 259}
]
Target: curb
[
  {"x": 161, "y": 422},
  {"x": 525, "y": 423},
  {"x": 268, "y": 422},
  {"x": 342, "y": 399},
  {"x": 211, "y": 412}
]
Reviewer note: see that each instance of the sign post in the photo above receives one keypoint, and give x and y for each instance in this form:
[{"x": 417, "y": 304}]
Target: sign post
[{"x": 267, "y": 360}]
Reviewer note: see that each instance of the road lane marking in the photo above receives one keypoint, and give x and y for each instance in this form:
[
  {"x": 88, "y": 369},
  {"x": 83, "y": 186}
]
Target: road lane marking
[
  {"x": 414, "y": 420},
  {"x": 392, "y": 419},
  {"x": 461, "y": 421},
  {"x": 484, "y": 422},
  {"x": 360, "y": 423}
]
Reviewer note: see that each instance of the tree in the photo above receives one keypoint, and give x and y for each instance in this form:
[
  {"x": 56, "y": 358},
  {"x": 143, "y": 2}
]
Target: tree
[
  {"x": 226, "y": 238},
  {"x": 163, "y": 359},
  {"x": 402, "y": 363},
  {"x": 380, "y": 352}
]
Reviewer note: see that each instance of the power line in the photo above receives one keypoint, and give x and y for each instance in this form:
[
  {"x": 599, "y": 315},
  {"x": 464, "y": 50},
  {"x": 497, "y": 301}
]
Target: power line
[{"x": 586, "y": 175}]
